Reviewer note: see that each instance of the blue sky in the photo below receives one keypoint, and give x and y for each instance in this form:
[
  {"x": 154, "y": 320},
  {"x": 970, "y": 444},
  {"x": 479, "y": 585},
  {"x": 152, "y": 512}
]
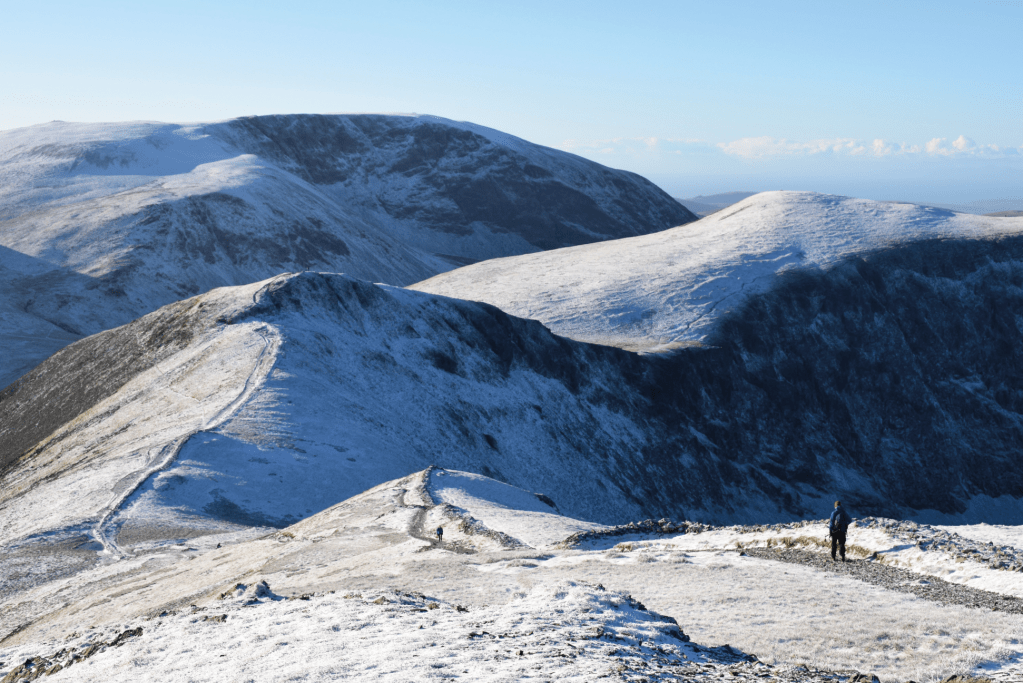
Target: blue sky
[{"x": 910, "y": 100}]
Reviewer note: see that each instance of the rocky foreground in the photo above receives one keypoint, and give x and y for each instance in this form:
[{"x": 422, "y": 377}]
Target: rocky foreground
[
  {"x": 591, "y": 633},
  {"x": 366, "y": 591},
  {"x": 896, "y": 579}
]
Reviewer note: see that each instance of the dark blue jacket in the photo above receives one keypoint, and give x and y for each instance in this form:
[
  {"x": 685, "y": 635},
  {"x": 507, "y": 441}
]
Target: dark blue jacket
[{"x": 840, "y": 520}]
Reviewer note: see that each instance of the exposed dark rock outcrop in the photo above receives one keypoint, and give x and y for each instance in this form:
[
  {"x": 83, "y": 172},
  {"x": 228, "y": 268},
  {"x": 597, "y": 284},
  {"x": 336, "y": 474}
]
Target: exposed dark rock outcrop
[{"x": 461, "y": 177}]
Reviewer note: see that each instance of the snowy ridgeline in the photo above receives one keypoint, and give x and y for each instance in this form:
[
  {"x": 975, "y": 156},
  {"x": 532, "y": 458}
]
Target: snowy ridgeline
[
  {"x": 365, "y": 590},
  {"x": 102, "y": 223},
  {"x": 258, "y": 406},
  {"x": 660, "y": 291}
]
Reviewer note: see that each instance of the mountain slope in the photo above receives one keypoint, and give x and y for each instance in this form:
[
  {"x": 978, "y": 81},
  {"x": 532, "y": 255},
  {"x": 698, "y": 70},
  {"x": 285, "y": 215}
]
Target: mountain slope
[
  {"x": 889, "y": 380},
  {"x": 261, "y": 405},
  {"x": 102, "y": 223},
  {"x": 661, "y": 291},
  {"x": 368, "y": 570}
]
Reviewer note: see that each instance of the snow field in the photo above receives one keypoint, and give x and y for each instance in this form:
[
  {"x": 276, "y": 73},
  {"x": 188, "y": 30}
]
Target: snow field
[
  {"x": 997, "y": 534},
  {"x": 790, "y": 615},
  {"x": 370, "y": 545},
  {"x": 517, "y": 513},
  {"x": 785, "y": 615},
  {"x": 565, "y": 631}
]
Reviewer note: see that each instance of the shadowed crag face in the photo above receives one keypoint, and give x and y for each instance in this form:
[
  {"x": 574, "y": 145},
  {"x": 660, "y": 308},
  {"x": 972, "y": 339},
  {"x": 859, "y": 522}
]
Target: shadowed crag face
[{"x": 523, "y": 192}]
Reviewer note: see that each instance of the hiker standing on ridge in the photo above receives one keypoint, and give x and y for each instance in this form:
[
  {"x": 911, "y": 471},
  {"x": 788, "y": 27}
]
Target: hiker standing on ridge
[
  {"x": 440, "y": 534},
  {"x": 837, "y": 526}
]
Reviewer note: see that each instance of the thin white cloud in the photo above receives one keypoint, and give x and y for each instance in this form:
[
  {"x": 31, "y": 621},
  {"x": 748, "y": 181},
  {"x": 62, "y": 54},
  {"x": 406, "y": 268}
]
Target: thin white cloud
[
  {"x": 934, "y": 147},
  {"x": 766, "y": 146},
  {"x": 963, "y": 143}
]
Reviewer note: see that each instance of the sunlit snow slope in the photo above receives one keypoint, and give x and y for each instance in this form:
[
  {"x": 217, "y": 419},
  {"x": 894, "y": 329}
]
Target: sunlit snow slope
[
  {"x": 260, "y": 405},
  {"x": 377, "y": 533},
  {"x": 890, "y": 380},
  {"x": 101, "y": 223},
  {"x": 341, "y": 592},
  {"x": 660, "y": 291}
]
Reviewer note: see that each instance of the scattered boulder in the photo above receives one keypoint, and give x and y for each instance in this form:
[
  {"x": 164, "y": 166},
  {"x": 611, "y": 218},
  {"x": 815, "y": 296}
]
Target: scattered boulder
[
  {"x": 251, "y": 595},
  {"x": 35, "y": 667},
  {"x": 864, "y": 678},
  {"x": 125, "y": 635}
]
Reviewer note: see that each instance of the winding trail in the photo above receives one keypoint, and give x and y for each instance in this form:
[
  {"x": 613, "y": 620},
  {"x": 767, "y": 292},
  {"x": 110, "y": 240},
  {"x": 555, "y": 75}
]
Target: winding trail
[
  {"x": 419, "y": 482},
  {"x": 897, "y": 579},
  {"x": 104, "y": 531}
]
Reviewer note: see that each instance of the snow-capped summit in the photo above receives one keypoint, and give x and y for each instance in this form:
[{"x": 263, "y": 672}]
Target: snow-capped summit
[
  {"x": 102, "y": 223},
  {"x": 664, "y": 290}
]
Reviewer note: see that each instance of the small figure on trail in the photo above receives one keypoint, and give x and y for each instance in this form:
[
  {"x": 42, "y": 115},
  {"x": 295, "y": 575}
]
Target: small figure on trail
[
  {"x": 440, "y": 534},
  {"x": 839, "y": 524}
]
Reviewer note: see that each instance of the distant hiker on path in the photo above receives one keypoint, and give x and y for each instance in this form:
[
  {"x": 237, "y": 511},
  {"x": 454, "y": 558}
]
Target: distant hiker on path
[
  {"x": 839, "y": 524},
  {"x": 440, "y": 534}
]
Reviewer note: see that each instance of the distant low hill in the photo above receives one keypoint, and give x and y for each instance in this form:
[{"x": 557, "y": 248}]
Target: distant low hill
[
  {"x": 986, "y": 207},
  {"x": 704, "y": 205}
]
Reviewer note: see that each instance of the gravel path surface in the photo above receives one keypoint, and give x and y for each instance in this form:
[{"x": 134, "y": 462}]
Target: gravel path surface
[{"x": 894, "y": 578}]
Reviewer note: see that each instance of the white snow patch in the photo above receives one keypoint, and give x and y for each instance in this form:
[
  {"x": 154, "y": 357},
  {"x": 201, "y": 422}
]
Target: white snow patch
[{"x": 510, "y": 510}]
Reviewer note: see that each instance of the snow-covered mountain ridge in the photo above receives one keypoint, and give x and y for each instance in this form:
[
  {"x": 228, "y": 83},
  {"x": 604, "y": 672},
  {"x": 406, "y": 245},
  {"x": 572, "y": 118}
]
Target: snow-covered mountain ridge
[
  {"x": 102, "y": 223},
  {"x": 257, "y": 406},
  {"x": 869, "y": 345},
  {"x": 260, "y": 405},
  {"x": 669, "y": 289}
]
